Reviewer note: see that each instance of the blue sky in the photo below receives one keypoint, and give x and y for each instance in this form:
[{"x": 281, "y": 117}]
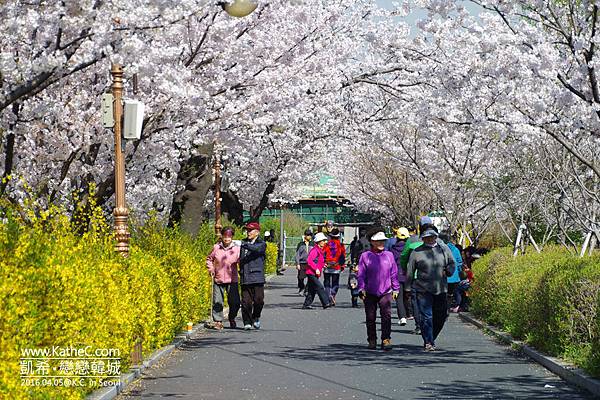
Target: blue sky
[
  {"x": 411, "y": 18},
  {"x": 418, "y": 14}
]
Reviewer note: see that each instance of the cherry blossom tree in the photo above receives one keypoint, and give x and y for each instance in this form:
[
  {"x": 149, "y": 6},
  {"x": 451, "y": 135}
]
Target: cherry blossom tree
[
  {"x": 265, "y": 88},
  {"x": 491, "y": 117}
]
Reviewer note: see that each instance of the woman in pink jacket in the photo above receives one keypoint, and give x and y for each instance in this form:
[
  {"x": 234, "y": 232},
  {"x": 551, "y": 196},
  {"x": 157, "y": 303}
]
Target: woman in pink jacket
[
  {"x": 314, "y": 269},
  {"x": 222, "y": 265}
]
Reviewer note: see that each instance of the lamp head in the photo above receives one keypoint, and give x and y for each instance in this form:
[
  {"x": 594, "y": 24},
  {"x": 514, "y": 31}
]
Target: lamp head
[{"x": 239, "y": 8}]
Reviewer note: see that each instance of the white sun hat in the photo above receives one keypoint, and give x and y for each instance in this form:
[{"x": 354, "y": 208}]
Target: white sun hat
[{"x": 320, "y": 237}]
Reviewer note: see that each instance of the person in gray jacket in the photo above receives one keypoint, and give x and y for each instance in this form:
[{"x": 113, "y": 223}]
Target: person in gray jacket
[
  {"x": 301, "y": 256},
  {"x": 252, "y": 275},
  {"x": 428, "y": 268}
]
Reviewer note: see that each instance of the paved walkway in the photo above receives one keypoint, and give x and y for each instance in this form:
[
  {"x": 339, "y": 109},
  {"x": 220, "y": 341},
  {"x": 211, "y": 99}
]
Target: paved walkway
[{"x": 321, "y": 354}]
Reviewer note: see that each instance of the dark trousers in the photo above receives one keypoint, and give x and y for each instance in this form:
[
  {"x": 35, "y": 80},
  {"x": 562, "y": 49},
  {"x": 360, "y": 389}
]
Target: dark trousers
[
  {"x": 332, "y": 284},
  {"x": 458, "y": 297},
  {"x": 253, "y": 300},
  {"x": 385, "y": 310},
  {"x": 433, "y": 311},
  {"x": 315, "y": 286},
  {"x": 452, "y": 293},
  {"x": 301, "y": 284},
  {"x": 301, "y": 277},
  {"x": 400, "y": 307},
  {"x": 408, "y": 305},
  {"x": 415, "y": 308}
]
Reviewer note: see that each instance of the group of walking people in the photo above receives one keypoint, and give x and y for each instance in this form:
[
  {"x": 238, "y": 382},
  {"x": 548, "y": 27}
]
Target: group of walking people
[{"x": 413, "y": 271}]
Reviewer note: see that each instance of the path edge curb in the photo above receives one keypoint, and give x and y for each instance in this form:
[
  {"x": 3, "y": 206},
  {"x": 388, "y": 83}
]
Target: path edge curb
[
  {"x": 566, "y": 371},
  {"x": 109, "y": 393}
]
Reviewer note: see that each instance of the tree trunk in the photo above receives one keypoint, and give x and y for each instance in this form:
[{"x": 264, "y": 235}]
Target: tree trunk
[
  {"x": 195, "y": 176},
  {"x": 232, "y": 207},
  {"x": 9, "y": 152},
  {"x": 256, "y": 212}
]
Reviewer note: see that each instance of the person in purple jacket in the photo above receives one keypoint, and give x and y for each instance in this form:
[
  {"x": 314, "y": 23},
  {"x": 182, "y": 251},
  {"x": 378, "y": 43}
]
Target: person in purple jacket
[{"x": 378, "y": 285}]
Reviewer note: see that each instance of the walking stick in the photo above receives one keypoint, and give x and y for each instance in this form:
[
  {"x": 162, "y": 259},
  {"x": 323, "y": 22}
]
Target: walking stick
[
  {"x": 211, "y": 323},
  {"x": 212, "y": 297}
]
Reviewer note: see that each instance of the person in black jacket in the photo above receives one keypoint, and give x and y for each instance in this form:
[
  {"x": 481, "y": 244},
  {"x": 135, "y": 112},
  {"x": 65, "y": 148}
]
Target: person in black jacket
[
  {"x": 252, "y": 275},
  {"x": 302, "y": 251}
]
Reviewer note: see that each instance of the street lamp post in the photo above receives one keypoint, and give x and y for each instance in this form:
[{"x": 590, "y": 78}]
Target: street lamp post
[
  {"x": 120, "y": 212},
  {"x": 217, "y": 168}
]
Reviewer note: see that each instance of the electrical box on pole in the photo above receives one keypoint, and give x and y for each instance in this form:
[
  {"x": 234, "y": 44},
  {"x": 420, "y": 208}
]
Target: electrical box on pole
[
  {"x": 133, "y": 119},
  {"x": 106, "y": 108}
]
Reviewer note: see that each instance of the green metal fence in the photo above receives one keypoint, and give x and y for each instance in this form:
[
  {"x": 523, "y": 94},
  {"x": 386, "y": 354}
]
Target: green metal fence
[{"x": 319, "y": 212}]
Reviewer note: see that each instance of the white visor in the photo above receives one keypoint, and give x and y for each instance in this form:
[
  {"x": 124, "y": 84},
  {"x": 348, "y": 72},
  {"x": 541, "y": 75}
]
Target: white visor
[{"x": 378, "y": 236}]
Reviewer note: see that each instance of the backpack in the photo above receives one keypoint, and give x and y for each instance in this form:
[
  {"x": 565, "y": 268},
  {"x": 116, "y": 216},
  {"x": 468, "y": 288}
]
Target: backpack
[{"x": 397, "y": 249}]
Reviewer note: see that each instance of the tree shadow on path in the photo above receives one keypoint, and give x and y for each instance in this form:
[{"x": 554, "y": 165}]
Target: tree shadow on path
[{"x": 401, "y": 356}]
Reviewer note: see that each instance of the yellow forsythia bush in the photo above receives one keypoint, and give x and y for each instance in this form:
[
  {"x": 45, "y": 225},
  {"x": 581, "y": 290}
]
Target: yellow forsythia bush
[
  {"x": 271, "y": 259},
  {"x": 65, "y": 286},
  {"x": 550, "y": 300}
]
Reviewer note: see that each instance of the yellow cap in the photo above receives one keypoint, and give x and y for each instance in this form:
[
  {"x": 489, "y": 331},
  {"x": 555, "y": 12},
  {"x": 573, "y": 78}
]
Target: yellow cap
[{"x": 402, "y": 233}]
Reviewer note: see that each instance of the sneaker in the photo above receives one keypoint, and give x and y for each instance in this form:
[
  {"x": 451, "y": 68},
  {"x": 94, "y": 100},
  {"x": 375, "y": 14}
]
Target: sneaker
[
  {"x": 328, "y": 305},
  {"x": 215, "y": 325},
  {"x": 411, "y": 317},
  {"x": 307, "y": 307},
  {"x": 247, "y": 327},
  {"x": 256, "y": 324},
  {"x": 454, "y": 309},
  {"x": 232, "y": 324},
  {"x": 386, "y": 344},
  {"x": 429, "y": 347},
  {"x": 402, "y": 321},
  {"x": 372, "y": 345},
  {"x": 417, "y": 331}
]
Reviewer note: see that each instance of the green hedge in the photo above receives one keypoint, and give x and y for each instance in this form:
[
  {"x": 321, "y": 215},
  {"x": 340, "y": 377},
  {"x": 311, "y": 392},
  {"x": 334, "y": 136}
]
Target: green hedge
[
  {"x": 550, "y": 300},
  {"x": 61, "y": 288}
]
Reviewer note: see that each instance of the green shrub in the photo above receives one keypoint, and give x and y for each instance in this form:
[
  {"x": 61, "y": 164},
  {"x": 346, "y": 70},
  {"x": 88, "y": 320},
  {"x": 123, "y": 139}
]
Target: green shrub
[
  {"x": 293, "y": 224},
  {"x": 550, "y": 300}
]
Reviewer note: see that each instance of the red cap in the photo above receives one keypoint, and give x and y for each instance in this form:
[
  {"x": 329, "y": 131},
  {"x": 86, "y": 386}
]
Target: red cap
[{"x": 252, "y": 225}]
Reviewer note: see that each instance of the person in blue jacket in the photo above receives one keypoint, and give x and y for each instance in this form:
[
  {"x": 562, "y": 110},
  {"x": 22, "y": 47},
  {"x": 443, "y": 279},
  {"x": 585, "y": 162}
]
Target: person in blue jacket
[
  {"x": 458, "y": 262},
  {"x": 252, "y": 275}
]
